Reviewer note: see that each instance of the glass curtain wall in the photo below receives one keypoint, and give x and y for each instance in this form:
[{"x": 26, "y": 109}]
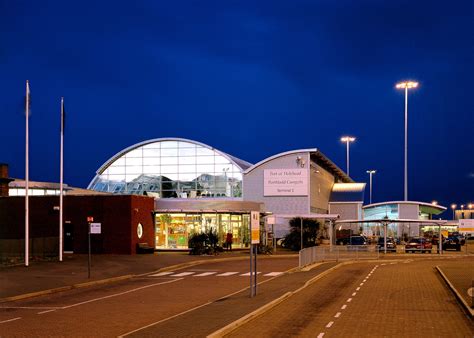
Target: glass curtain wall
[
  {"x": 171, "y": 169},
  {"x": 172, "y": 231}
]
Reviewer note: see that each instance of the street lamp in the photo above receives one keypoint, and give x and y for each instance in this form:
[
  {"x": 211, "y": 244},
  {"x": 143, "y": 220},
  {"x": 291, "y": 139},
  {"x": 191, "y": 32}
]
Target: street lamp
[
  {"x": 453, "y": 206},
  {"x": 406, "y": 85},
  {"x": 347, "y": 139},
  {"x": 370, "y": 172}
]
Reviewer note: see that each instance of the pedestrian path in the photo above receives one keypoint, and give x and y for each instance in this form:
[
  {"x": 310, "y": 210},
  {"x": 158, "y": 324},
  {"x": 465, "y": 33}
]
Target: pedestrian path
[{"x": 211, "y": 273}]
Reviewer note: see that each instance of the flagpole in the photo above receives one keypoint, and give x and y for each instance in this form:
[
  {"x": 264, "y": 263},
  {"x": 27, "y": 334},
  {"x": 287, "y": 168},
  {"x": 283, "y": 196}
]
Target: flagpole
[
  {"x": 61, "y": 184},
  {"x": 27, "y": 179}
]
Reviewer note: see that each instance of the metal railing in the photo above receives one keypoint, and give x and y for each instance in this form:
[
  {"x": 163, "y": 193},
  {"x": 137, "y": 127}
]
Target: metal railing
[{"x": 316, "y": 254}]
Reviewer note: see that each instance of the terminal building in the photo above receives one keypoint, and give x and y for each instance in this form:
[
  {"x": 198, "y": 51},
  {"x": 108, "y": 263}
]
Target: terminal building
[{"x": 198, "y": 188}]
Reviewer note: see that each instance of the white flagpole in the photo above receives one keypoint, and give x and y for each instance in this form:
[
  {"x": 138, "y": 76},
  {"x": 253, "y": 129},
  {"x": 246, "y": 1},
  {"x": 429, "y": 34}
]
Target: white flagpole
[
  {"x": 61, "y": 184},
  {"x": 27, "y": 179}
]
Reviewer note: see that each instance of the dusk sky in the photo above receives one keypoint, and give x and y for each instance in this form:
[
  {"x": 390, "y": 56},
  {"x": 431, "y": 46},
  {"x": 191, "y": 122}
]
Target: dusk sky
[{"x": 250, "y": 78}]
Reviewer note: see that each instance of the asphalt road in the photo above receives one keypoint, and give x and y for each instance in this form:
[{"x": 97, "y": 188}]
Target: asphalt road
[
  {"x": 136, "y": 304},
  {"x": 401, "y": 298}
]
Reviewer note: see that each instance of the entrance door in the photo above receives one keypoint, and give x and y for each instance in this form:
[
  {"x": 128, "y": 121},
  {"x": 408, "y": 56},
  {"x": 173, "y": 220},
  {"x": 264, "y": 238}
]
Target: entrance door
[{"x": 68, "y": 237}]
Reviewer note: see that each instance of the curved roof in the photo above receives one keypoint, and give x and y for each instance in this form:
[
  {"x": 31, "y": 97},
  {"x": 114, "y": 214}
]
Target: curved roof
[
  {"x": 243, "y": 165},
  {"x": 435, "y": 207},
  {"x": 315, "y": 155}
]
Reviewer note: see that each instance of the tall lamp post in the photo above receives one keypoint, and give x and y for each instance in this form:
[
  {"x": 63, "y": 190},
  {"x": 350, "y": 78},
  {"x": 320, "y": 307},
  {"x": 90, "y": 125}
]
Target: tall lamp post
[
  {"x": 370, "y": 172},
  {"x": 406, "y": 85},
  {"x": 347, "y": 139},
  {"x": 453, "y": 206}
]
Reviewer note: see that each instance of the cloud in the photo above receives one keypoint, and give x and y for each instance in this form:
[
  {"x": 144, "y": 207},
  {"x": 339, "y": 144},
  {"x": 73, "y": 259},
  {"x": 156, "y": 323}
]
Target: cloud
[{"x": 471, "y": 175}]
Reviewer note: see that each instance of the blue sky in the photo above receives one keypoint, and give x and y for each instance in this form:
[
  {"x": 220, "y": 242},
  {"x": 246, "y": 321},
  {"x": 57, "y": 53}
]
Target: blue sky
[{"x": 251, "y": 78}]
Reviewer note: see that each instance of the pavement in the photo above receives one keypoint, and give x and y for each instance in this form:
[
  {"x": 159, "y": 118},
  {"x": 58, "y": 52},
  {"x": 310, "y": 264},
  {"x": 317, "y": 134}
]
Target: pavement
[
  {"x": 459, "y": 276},
  {"x": 43, "y": 277}
]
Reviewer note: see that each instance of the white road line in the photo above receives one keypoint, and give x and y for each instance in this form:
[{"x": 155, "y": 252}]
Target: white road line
[
  {"x": 30, "y": 307},
  {"x": 162, "y": 274},
  {"x": 10, "y": 320},
  {"x": 225, "y": 274},
  {"x": 361, "y": 284},
  {"x": 343, "y": 307},
  {"x": 205, "y": 274},
  {"x": 358, "y": 288},
  {"x": 248, "y": 274},
  {"x": 365, "y": 280},
  {"x": 337, "y": 315},
  {"x": 329, "y": 324},
  {"x": 121, "y": 293},
  {"x": 354, "y": 293},
  {"x": 383, "y": 264},
  {"x": 349, "y": 300},
  {"x": 42, "y": 312},
  {"x": 182, "y": 274},
  {"x": 321, "y": 335},
  {"x": 272, "y": 274}
]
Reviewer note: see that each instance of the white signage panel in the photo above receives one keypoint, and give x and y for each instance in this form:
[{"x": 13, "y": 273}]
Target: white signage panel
[
  {"x": 285, "y": 182},
  {"x": 95, "y": 228},
  {"x": 466, "y": 225}
]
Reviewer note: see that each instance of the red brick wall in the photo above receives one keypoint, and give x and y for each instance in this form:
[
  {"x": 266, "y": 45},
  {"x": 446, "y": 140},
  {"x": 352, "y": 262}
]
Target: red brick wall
[{"x": 119, "y": 216}]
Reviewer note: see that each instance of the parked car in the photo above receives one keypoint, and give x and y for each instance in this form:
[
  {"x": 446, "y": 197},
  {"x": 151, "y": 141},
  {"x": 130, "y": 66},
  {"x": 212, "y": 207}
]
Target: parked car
[
  {"x": 353, "y": 240},
  {"x": 391, "y": 244},
  {"x": 418, "y": 244},
  {"x": 460, "y": 237},
  {"x": 452, "y": 243}
]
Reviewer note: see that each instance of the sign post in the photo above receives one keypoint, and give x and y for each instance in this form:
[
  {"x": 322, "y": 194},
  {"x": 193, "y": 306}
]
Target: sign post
[
  {"x": 255, "y": 239},
  {"x": 93, "y": 228}
]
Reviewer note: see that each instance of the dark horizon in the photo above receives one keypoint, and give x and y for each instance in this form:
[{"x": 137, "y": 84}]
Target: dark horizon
[{"x": 250, "y": 79}]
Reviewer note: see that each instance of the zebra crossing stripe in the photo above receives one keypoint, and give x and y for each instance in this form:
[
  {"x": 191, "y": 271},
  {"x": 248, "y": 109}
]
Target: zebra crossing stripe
[
  {"x": 272, "y": 274},
  {"x": 205, "y": 274},
  {"x": 182, "y": 274},
  {"x": 225, "y": 274},
  {"x": 248, "y": 274},
  {"x": 162, "y": 274}
]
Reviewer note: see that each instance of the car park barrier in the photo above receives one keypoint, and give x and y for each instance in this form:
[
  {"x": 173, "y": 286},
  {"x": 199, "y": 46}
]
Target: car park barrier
[{"x": 317, "y": 254}]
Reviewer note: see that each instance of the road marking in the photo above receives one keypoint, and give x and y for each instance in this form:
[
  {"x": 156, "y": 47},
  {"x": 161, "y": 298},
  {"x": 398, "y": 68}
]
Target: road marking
[
  {"x": 337, "y": 315},
  {"x": 383, "y": 264},
  {"x": 272, "y": 274},
  {"x": 321, "y": 335},
  {"x": 225, "y": 274},
  {"x": 10, "y": 320},
  {"x": 343, "y": 307},
  {"x": 121, "y": 293},
  {"x": 40, "y": 313},
  {"x": 354, "y": 293},
  {"x": 329, "y": 324},
  {"x": 162, "y": 274},
  {"x": 361, "y": 284},
  {"x": 349, "y": 300},
  {"x": 205, "y": 274},
  {"x": 248, "y": 274},
  {"x": 358, "y": 288},
  {"x": 365, "y": 280},
  {"x": 182, "y": 274},
  {"x": 30, "y": 307}
]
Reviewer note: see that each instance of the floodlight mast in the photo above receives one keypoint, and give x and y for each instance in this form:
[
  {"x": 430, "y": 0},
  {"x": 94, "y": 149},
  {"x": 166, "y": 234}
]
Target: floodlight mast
[{"x": 406, "y": 85}]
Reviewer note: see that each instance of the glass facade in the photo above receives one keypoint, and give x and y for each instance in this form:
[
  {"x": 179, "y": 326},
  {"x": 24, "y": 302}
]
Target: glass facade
[
  {"x": 172, "y": 231},
  {"x": 171, "y": 169}
]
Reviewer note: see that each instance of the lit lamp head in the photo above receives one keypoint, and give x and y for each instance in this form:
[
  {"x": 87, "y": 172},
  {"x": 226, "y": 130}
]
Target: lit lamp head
[
  {"x": 371, "y": 171},
  {"x": 470, "y": 205},
  {"x": 453, "y": 206},
  {"x": 434, "y": 202},
  {"x": 348, "y": 139},
  {"x": 406, "y": 84}
]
